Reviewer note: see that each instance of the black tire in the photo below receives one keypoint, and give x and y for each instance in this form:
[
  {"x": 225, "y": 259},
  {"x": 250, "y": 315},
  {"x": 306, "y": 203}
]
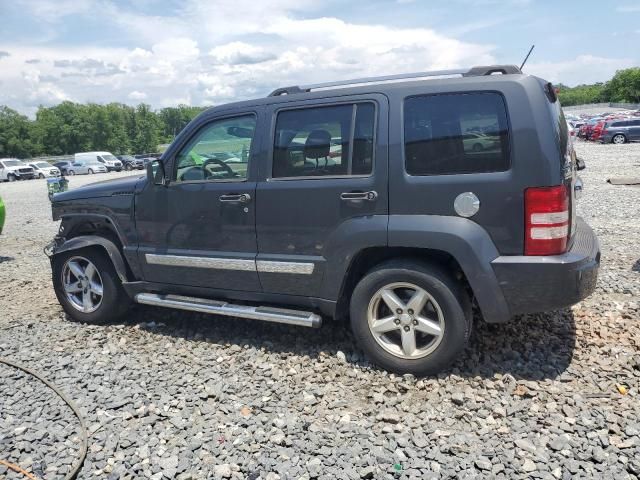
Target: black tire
[
  {"x": 90, "y": 172},
  {"x": 127, "y": 167},
  {"x": 448, "y": 293},
  {"x": 41, "y": 176},
  {"x": 11, "y": 178},
  {"x": 72, "y": 173},
  {"x": 619, "y": 136},
  {"x": 115, "y": 302}
]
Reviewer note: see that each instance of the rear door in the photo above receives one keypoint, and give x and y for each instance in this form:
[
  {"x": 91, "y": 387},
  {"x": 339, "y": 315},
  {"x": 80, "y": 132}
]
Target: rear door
[
  {"x": 323, "y": 193},
  {"x": 634, "y": 130}
]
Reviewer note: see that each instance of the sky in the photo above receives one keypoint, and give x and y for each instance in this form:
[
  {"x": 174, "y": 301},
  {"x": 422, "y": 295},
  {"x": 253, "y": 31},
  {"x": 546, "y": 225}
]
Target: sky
[{"x": 208, "y": 52}]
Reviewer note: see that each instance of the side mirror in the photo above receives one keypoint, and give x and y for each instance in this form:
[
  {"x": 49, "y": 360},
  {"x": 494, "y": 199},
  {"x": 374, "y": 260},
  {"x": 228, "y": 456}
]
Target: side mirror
[
  {"x": 156, "y": 174},
  {"x": 580, "y": 165}
]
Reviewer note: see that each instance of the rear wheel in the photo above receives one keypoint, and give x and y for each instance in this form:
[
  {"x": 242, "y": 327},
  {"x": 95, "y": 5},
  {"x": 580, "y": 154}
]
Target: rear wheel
[
  {"x": 410, "y": 317},
  {"x": 618, "y": 139},
  {"x": 88, "y": 287}
]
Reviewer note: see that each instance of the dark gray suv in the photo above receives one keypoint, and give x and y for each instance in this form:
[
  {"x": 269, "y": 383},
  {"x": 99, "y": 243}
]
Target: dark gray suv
[
  {"x": 335, "y": 201},
  {"x": 621, "y": 131}
]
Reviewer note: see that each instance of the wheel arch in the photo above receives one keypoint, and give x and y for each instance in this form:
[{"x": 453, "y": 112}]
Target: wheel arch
[
  {"x": 459, "y": 244},
  {"x": 94, "y": 241}
]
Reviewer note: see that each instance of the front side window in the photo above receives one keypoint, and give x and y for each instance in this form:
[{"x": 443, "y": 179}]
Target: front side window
[
  {"x": 220, "y": 151},
  {"x": 324, "y": 141},
  {"x": 455, "y": 133}
]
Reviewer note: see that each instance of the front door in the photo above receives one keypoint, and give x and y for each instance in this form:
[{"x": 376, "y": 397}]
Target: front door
[
  {"x": 323, "y": 193},
  {"x": 200, "y": 229}
]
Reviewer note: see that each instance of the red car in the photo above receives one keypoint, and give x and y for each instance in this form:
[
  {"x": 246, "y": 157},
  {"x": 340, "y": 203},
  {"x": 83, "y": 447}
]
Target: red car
[{"x": 596, "y": 131}]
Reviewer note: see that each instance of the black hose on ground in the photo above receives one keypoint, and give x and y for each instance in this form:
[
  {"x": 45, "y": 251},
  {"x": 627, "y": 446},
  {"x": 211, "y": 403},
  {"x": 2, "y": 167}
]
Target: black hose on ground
[{"x": 83, "y": 429}]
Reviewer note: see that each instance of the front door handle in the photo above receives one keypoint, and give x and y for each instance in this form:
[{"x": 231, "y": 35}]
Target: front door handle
[
  {"x": 359, "y": 196},
  {"x": 235, "y": 198}
]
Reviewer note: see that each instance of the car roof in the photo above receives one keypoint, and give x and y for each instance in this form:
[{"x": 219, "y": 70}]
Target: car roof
[{"x": 381, "y": 87}]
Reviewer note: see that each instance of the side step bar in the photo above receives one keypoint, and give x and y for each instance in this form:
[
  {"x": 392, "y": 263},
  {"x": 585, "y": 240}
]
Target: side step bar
[{"x": 203, "y": 305}]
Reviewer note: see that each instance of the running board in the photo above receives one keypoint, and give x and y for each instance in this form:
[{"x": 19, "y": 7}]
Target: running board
[{"x": 203, "y": 305}]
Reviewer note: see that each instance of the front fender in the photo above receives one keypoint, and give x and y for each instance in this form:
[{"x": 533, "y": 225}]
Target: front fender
[
  {"x": 464, "y": 240},
  {"x": 85, "y": 241}
]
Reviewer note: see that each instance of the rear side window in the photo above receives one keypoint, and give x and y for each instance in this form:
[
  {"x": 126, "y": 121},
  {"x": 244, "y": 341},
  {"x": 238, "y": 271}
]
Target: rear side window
[
  {"x": 456, "y": 133},
  {"x": 324, "y": 141}
]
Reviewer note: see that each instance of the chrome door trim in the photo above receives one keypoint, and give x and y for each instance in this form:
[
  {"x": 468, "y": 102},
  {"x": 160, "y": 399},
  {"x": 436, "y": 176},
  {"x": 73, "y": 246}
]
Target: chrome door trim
[
  {"x": 270, "y": 266},
  {"x": 218, "y": 263},
  {"x": 215, "y": 263}
]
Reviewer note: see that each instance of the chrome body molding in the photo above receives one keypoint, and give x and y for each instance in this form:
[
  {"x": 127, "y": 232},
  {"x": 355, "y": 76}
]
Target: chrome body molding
[
  {"x": 269, "y": 266},
  {"x": 218, "y": 263},
  {"x": 201, "y": 262}
]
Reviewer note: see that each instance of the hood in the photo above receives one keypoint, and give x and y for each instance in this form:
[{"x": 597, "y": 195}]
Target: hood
[{"x": 107, "y": 188}]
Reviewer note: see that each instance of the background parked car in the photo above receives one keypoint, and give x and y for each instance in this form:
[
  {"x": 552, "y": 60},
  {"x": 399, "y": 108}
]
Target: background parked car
[
  {"x": 2, "y": 214},
  {"x": 130, "y": 162},
  {"x": 107, "y": 159},
  {"x": 12, "y": 169},
  {"x": 63, "y": 166},
  {"x": 621, "y": 131},
  {"x": 44, "y": 169},
  {"x": 83, "y": 167}
]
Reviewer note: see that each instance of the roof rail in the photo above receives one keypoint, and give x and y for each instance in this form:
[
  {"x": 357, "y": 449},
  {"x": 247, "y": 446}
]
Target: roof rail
[{"x": 472, "y": 72}]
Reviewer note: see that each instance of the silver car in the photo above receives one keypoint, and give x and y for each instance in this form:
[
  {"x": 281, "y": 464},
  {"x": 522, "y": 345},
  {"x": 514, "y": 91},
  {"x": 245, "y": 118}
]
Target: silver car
[{"x": 83, "y": 167}]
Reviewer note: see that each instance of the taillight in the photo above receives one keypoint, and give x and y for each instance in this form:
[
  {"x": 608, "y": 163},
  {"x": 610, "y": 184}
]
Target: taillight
[{"x": 546, "y": 220}]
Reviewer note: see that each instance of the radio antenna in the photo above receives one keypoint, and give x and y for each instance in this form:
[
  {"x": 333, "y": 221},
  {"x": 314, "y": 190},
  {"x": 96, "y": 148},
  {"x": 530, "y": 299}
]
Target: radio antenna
[{"x": 527, "y": 57}]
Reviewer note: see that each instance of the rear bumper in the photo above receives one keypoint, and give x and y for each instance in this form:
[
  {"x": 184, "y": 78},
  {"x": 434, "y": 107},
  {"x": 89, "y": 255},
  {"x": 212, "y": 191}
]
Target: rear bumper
[{"x": 536, "y": 284}]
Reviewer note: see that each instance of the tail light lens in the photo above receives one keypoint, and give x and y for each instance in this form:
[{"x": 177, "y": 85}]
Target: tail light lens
[{"x": 546, "y": 220}]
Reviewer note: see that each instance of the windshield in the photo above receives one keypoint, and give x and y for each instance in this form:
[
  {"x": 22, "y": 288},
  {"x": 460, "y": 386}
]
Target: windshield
[
  {"x": 42, "y": 165},
  {"x": 12, "y": 163},
  {"x": 110, "y": 158}
]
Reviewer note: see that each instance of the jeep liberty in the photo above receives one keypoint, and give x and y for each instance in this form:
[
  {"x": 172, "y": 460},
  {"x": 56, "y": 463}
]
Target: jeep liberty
[{"x": 397, "y": 202}]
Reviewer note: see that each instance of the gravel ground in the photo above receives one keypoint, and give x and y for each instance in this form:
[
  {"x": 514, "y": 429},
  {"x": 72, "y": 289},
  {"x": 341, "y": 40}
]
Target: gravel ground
[{"x": 177, "y": 395}]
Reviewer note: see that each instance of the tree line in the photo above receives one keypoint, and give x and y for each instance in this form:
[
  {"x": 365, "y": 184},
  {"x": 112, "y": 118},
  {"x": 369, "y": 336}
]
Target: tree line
[
  {"x": 70, "y": 127},
  {"x": 624, "y": 87}
]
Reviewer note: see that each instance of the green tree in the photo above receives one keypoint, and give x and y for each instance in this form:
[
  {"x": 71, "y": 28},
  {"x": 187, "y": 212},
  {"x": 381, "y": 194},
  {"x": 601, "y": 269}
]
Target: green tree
[
  {"x": 16, "y": 134},
  {"x": 625, "y": 86}
]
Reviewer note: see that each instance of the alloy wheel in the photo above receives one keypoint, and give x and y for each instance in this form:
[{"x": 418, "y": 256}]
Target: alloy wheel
[
  {"x": 618, "y": 139},
  {"x": 82, "y": 284},
  {"x": 405, "y": 320}
]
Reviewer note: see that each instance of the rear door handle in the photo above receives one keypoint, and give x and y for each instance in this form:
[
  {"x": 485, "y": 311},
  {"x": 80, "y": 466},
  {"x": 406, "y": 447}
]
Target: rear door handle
[
  {"x": 359, "y": 196},
  {"x": 235, "y": 198}
]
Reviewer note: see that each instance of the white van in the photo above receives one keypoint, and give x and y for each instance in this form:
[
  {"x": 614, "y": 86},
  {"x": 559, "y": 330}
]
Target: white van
[{"x": 106, "y": 158}]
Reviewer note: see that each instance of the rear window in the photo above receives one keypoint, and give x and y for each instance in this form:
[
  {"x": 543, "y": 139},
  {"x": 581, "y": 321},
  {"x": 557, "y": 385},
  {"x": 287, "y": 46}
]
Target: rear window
[{"x": 456, "y": 133}]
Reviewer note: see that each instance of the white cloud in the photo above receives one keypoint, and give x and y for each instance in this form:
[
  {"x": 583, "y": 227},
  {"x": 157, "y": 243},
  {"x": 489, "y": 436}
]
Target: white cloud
[
  {"x": 583, "y": 69},
  {"x": 137, "y": 95},
  {"x": 212, "y": 52}
]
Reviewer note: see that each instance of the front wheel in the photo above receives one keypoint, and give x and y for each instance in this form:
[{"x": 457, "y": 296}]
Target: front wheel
[
  {"x": 90, "y": 171},
  {"x": 410, "y": 317},
  {"x": 127, "y": 167},
  {"x": 72, "y": 173},
  {"x": 11, "y": 177},
  {"x": 88, "y": 287},
  {"x": 41, "y": 176},
  {"x": 618, "y": 139}
]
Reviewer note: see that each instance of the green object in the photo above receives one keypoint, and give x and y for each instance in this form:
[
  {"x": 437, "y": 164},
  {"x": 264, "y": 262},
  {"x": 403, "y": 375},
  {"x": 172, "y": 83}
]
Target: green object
[
  {"x": 57, "y": 185},
  {"x": 397, "y": 467},
  {"x": 2, "y": 214}
]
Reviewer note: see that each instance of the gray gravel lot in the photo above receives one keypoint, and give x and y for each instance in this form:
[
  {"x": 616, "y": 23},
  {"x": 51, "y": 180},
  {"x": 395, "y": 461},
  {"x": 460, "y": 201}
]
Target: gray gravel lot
[{"x": 177, "y": 395}]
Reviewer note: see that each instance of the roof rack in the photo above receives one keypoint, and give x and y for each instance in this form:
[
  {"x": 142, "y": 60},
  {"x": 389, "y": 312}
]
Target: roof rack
[{"x": 472, "y": 72}]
